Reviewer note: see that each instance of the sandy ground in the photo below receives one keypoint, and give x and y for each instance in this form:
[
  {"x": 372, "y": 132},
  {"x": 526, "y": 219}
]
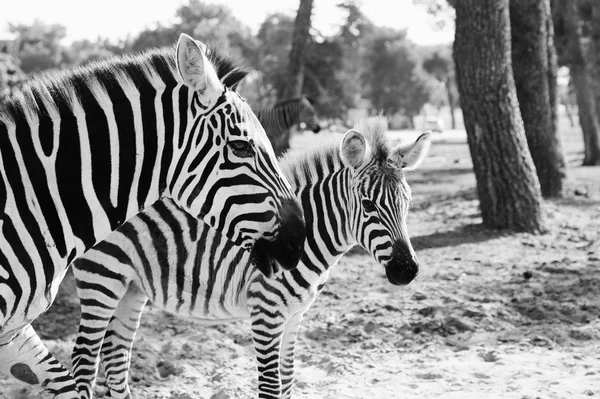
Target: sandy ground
[{"x": 492, "y": 314}]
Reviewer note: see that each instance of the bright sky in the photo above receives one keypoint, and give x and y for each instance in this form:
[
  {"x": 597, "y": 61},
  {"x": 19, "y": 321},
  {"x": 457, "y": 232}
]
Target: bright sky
[{"x": 117, "y": 18}]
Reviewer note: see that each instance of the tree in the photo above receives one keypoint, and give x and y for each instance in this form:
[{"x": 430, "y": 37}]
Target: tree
[
  {"x": 582, "y": 81},
  {"x": 325, "y": 78},
  {"x": 392, "y": 80},
  {"x": 508, "y": 188},
  {"x": 152, "y": 37},
  {"x": 534, "y": 68},
  {"x": 216, "y": 25},
  {"x": 296, "y": 63},
  {"x": 11, "y": 76},
  {"x": 332, "y": 66},
  {"x": 84, "y": 51},
  {"x": 39, "y": 46},
  {"x": 442, "y": 69},
  {"x": 213, "y": 24},
  {"x": 571, "y": 52},
  {"x": 275, "y": 38},
  {"x": 594, "y": 12},
  {"x": 297, "y": 59}
]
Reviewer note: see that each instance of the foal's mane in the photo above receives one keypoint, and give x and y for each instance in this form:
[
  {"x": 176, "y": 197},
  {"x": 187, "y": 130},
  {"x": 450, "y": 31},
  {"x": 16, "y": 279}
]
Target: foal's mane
[{"x": 319, "y": 160}]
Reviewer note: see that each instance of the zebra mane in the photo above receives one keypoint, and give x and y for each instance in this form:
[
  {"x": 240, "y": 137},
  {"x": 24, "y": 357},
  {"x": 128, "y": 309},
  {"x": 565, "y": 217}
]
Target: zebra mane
[
  {"x": 317, "y": 161},
  {"x": 374, "y": 129},
  {"x": 145, "y": 71}
]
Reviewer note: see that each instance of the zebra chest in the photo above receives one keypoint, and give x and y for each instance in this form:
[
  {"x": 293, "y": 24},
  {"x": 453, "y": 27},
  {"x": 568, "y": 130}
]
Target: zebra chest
[{"x": 206, "y": 285}]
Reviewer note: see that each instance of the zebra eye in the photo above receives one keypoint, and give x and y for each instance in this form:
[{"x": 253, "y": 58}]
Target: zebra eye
[
  {"x": 241, "y": 148},
  {"x": 368, "y": 206}
]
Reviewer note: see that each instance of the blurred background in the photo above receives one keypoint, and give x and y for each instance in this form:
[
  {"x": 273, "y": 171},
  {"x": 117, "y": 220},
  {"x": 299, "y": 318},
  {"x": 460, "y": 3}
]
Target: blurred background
[{"x": 352, "y": 47}]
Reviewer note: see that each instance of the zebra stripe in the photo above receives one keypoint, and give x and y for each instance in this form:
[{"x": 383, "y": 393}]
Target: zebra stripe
[
  {"x": 82, "y": 152},
  {"x": 285, "y": 114},
  {"x": 356, "y": 194}
]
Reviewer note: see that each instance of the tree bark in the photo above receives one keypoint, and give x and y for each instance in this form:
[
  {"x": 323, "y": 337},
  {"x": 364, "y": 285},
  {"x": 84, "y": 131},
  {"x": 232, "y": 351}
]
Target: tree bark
[
  {"x": 583, "y": 83},
  {"x": 595, "y": 52},
  {"x": 297, "y": 60},
  {"x": 552, "y": 72},
  {"x": 534, "y": 69},
  {"x": 450, "y": 102},
  {"x": 508, "y": 188}
]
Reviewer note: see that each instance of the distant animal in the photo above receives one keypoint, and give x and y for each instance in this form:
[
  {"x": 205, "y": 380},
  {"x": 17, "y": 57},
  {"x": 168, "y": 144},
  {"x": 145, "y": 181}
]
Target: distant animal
[
  {"x": 287, "y": 113},
  {"x": 284, "y": 115},
  {"x": 86, "y": 150},
  {"x": 353, "y": 192}
]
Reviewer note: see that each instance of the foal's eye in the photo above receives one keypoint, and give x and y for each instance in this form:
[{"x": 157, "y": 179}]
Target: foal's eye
[
  {"x": 241, "y": 148},
  {"x": 368, "y": 206}
]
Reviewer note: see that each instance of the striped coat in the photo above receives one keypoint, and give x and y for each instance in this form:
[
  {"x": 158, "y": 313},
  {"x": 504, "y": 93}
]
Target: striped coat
[
  {"x": 350, "y": 193},
  {"x": 84, "y": 151}
]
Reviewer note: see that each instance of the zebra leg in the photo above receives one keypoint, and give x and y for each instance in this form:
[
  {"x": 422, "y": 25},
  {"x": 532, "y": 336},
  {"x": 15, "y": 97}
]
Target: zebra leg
[
  {"x": 286, "y": 368},
  {"x": 98, "y": 304},
  {"x": 118, "y": 341},
  {"x": 27, "y": 359},
  {"x": 267, "y": 329}
]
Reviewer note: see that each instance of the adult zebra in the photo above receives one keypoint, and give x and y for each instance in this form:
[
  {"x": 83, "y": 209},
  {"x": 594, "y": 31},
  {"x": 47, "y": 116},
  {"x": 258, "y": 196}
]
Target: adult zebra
[
  {"x": 353, "y": 193},
  {"x": 85, "y": 151},
  {"x": 287, "y": 113}
]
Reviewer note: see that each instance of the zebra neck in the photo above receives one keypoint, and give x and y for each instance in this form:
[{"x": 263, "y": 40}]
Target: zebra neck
[
  {"x": 325, "y": 204},
  {"x": 77, "y": 171}
]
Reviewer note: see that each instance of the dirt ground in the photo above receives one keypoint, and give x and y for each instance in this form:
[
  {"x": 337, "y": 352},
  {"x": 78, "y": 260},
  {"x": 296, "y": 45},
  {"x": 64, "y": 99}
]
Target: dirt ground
[{"x": 492, "y": 314}]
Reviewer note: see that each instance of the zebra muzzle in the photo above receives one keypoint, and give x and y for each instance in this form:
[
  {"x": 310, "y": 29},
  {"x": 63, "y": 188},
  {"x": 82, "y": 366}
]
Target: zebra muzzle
[{"x": 404, "y": 265}]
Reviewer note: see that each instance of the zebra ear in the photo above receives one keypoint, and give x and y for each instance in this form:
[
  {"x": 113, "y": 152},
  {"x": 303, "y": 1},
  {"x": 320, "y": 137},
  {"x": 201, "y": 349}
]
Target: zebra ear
[
  {"x": 196, "y": 71},
  {"x": 409, "y": 156},
  {"x": 354, "y": 150}
]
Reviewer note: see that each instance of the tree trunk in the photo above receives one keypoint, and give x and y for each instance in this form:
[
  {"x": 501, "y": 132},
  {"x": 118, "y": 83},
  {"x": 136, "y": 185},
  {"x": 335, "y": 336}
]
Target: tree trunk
[
  {"x": 508, "y": 188},
  {"x": 552, "y": 73},
  {"x": 595, "y": 52},
  {"x": 534, "y": 69},
  {"x": 295, "y": 72},
  {"x": 450, "y": 102},
  {"x": 583, "y": 83}
]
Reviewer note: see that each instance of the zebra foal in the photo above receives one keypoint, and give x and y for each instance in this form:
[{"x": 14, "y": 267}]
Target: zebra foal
[
  {"x": 353, "y": 192},
  {"x": 84, "y": 151}
]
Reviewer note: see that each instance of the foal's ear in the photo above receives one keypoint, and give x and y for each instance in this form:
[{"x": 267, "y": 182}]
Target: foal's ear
[
  {"x": 409, "y": 156},
  {"x": 196, "y": 71},
  {"x": 354, "y": 150}
]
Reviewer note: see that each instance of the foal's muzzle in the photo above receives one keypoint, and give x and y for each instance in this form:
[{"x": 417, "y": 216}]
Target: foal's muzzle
[{"x": 403, "y": 267}]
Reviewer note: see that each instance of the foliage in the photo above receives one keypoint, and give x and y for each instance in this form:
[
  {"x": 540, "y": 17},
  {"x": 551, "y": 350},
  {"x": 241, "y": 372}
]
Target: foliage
[
  {"x": 275, "y": 38},
  {"x": 11, "y": 75},
  {"x": 440, "y": 65},
  {"x": 152, "y": 37},
  {"x": 214, "y": 24},
  {"x": 326, "y": 79},
  {"x": 340, "y": 68},
  {"x": 392, "y": 80},
  {"x": 83, "y": 52},
  {"x": 38, "y": 45}
]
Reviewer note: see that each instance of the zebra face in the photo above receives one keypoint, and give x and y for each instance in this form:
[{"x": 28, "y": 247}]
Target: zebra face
[
  {"x": 230, "y": 177},
  {"x": 380, "y": 200}
]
